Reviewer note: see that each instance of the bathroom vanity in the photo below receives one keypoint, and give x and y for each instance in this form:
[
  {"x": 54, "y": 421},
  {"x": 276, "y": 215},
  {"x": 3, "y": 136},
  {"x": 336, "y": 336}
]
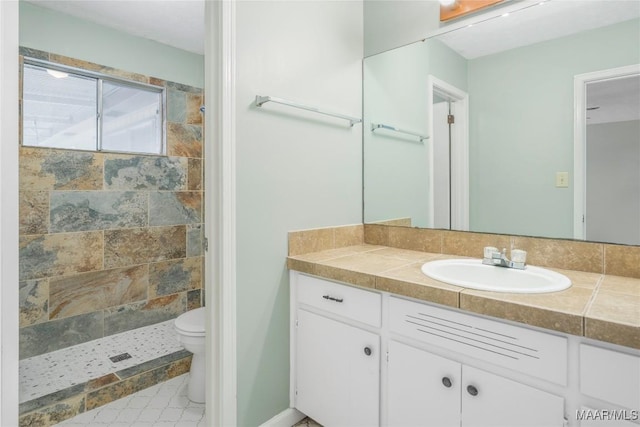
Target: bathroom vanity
[{"x": 363, "y": 356}]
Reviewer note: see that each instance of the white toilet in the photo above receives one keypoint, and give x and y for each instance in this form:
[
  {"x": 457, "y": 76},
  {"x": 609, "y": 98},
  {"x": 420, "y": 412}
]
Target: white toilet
[{"x": 190, "y": 329}]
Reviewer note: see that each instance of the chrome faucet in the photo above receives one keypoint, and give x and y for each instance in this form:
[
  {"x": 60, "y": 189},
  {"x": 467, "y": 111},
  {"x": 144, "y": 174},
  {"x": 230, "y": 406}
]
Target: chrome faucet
[{"x": 499, "y": 259}]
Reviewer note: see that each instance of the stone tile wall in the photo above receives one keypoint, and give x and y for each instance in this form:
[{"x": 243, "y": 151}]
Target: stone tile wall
[{"x": 111, "y": 242}]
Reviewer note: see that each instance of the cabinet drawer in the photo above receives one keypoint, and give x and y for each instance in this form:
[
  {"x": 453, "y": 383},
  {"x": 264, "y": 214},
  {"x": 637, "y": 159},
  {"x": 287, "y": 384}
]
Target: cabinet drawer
[
  {"x": 353, "y": 303},
  {"x": 532, "y": 352},
  {"x": 610, "y": 376}
]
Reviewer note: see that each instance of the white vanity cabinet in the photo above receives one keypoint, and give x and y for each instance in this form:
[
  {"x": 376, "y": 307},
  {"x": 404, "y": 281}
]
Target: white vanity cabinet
[
  {"x": 611, "y": 380},
  {"x": 366, "y": 358},
  {"x": 610, "y": 376},
  {"x": 489, "y": 400},
  {"x": 422, "y": 389},
  {"x": 337, "y": 364},
  {"x": 425, "y": 389},
  {"x": 470, "y": 397}
]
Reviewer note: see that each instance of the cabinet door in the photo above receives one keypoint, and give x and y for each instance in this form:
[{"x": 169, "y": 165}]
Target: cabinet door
[
  {"x": 610, "y": 376},
  {"x": 337, "y": 372},
  {"x": 423, "y": 389},
  {"x": 492, "y": 401}
]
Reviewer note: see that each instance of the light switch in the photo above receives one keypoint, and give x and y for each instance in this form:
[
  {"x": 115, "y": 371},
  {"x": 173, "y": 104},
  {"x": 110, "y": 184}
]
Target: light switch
[{"x": 562, "y": 179}]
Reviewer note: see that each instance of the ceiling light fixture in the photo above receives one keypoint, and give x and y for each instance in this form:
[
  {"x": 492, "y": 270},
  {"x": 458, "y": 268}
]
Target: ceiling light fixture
[
  {"x": 448, "y": 3},
  {"x": 452, "y": 9}
]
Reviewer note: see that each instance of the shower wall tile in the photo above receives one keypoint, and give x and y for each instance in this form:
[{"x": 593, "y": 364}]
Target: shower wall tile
[
  {"x": 175, "y": 276},
  {"x": 34, "y": 53},
  {"x": 102, "y": 69},
  {"x": 54, "y": 335},
  {"x": 48, "y": 169},
  {"x": 60, "y": 254},
  {"x": 182, "y": 87},
  {"x": 195, "y": 239},
  {"x": 195, "y": 175},
  {"x": 34, "y": 302},
  {"x": 176, "y": 106},
  {"x": 184, "y": 140},
  {"x": 145, "y": 173},
  {"x": 34, "y": 212},
  {"x": 173, "y": 208},
  {"x": 194, "y": 299},
  {"x": 84, "y": 293},
  {"x": 73, "y": 62},
  {"x": 157, "y": 82},
  {"x": 92, "y": 225},
  {"x": 127, "y": 75},
  {"x": 137, "y": 315},
  {"x": 97, "y": 210},
  {"x": 143, "y": 245},
  {"x": 194, "y": 115}
]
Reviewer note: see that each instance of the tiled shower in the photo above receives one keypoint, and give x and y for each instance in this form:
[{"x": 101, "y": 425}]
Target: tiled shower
[{"x": 110, "y": 242}]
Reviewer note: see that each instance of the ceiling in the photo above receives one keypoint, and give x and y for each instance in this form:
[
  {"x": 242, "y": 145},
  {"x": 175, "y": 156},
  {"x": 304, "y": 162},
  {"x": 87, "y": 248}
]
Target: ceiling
[
  {"x": 537, "y": 21},
  {"x": 180, "y": 23},
  {"x": 610, "y": 101},
  {"x": 177, "y": 23}
]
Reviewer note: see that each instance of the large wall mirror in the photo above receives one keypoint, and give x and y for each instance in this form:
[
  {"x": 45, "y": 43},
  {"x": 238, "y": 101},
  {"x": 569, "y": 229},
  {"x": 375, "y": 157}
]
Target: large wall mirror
[{"x": 525, "y": 124}]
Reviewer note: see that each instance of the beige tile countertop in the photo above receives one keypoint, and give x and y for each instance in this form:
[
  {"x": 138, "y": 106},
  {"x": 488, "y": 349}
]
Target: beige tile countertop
[{"x": 602, "y": 307}]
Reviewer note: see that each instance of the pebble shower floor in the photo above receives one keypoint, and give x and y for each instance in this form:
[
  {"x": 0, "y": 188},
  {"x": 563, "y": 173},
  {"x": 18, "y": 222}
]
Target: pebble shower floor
[{"x": 163, "y": 405}]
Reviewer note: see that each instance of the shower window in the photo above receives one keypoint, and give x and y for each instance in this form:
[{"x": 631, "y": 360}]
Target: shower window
[{"x": 72, "y": 109}]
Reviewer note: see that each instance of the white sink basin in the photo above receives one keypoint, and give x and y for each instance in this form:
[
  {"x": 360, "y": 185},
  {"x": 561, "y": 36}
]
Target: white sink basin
[{"x": 471, "y": 273}]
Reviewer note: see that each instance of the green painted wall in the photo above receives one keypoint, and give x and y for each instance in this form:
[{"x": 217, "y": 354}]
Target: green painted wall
[
  {"x": 521, "y": 128},
  {"x": 51, "y": 31},
  {"x": 395, "y": 92},
  {"x": 295, "y": 169}
]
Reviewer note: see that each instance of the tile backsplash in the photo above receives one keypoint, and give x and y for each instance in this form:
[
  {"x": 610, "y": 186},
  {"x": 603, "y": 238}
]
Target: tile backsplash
[
  {"x": 110, "y": 242},
  {"x": 615, "y": 260}
]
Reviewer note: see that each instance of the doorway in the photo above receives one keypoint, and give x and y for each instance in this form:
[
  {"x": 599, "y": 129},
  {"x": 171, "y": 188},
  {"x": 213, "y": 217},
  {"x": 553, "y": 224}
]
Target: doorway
[
  {"x": 607, "y": 163},
  {"x": 441, "y": 141},
  {"x": 448, "y": 123}
]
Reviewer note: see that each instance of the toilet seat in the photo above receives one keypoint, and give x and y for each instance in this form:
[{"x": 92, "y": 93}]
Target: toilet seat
[{"x": 191, "y": 323}]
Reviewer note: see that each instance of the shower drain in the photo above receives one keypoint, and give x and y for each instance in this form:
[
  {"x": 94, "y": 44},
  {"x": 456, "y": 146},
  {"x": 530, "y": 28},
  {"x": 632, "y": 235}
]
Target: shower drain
[{"x": 120, "y": 357}]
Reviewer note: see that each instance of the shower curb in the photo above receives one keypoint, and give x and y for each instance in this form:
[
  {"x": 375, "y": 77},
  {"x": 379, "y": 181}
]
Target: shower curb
[{"x": 64, "y": 404}]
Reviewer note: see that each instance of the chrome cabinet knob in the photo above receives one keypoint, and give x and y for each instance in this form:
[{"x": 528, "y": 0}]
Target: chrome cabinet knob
[{"x": 472, "y": 390}]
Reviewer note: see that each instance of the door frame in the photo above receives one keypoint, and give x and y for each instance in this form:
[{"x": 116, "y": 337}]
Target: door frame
[
  {"x": 580, "y": 82},
  {"x": 459, "y": 185},
  {"x": 221, "y": 356},
  {"x": 220, "y": 224},
  {"x": 9, "y": 277}
]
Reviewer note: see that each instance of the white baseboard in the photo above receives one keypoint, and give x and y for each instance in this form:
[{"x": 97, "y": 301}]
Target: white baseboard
[{"x": 286, "y": 418}]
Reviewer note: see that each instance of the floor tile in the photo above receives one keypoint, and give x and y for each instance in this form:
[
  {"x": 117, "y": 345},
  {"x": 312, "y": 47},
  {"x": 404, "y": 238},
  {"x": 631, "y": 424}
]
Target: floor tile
[{"x": 163, "y": 405}]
